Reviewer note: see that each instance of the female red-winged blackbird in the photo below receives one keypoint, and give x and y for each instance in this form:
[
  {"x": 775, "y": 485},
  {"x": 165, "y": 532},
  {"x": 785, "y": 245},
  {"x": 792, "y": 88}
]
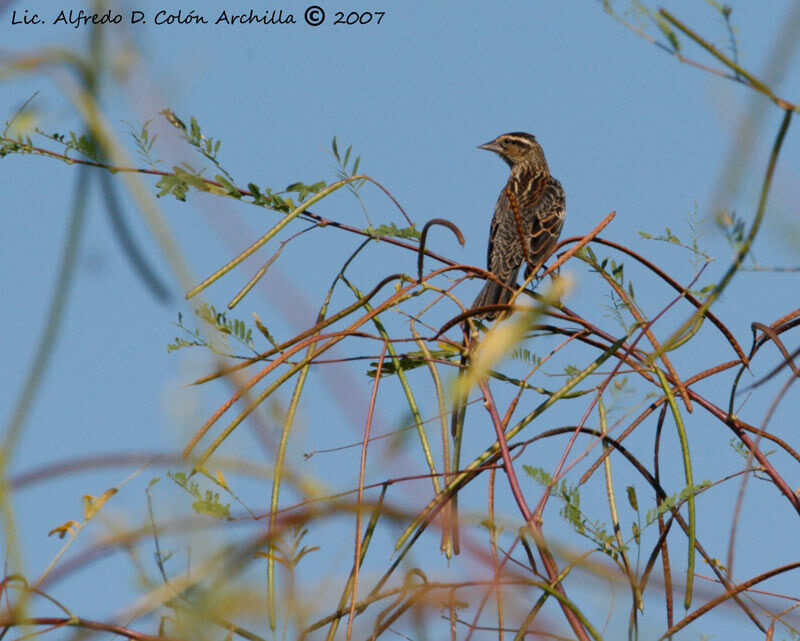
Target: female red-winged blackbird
[{"x": 527, "y": 218}]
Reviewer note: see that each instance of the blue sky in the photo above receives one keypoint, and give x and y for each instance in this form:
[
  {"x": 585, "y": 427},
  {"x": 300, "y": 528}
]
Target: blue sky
[{"x": 624, "y": 125}]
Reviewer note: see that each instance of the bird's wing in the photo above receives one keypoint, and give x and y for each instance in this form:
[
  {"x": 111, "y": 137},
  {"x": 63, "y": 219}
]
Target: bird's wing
[
  {"x": 546, "y": 216},
  {"x": 505, "y": 252}
]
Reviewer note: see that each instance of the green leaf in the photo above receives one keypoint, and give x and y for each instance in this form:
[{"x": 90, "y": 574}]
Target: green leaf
[
  {"x": 538, "y": 474},
  {"x": 191, "y": 178},
  {"x": 693, "y": 490},
  {"x": 409, "y": 361},
  {"x": 179, "y": 343},
  {"x": 265, "y": 332},
  {"x": 526, "y": 356},
  {"x": 671, "y": 501},
  {"x": 228, "y": 186},
  {"x": 667, "y": 30},
  {"x": 631, "y": 491},
  {"x": 172, "y": 185},
  {"x": 211, "y": 506},
  {"x": 230, "y": 327},
  {"x": 394, "y": 231}
]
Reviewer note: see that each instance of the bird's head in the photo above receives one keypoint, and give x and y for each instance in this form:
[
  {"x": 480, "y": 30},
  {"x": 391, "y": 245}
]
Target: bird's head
[{"x": 519, "y": 150}]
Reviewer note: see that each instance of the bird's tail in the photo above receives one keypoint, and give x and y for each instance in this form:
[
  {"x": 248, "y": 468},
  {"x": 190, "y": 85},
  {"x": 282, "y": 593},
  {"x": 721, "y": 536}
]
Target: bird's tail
[{"x": 493, "y": 293}]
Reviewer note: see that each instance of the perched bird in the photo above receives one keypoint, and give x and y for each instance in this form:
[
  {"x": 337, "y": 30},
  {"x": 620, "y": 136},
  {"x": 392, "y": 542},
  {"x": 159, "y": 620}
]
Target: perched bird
[{"x": 527, "y": 218}]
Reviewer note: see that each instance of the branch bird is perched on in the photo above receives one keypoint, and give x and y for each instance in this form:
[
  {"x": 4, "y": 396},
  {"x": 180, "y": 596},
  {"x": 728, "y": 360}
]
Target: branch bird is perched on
[{"x": 527, "y": 218}]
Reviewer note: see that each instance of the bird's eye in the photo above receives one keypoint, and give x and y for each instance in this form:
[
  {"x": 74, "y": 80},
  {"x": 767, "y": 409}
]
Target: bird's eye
[{"x": 504, "y": 142}]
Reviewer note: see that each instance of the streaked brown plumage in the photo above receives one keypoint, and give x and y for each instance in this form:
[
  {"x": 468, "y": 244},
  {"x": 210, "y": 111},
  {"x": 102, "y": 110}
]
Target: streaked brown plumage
[{"x": 527, "y": 218}]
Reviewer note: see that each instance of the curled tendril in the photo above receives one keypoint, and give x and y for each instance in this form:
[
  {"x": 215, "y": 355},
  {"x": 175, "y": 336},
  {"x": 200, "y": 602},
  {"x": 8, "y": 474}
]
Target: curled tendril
[{"x": 434, "y": 221}]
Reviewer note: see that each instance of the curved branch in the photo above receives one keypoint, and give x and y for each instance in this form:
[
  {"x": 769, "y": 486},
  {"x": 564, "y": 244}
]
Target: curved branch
[{"x": 434, "y": 221}]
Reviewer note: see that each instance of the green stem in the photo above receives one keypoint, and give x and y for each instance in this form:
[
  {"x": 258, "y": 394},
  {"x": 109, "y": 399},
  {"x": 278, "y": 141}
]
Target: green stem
[
  {"x": 459, "y": 478},
  {"x": 755, "y": 82},
  {"x": 270, "y": 234},
  {"x": 748, "y": 241},
  {"x": 447, "y": 541},
  {"x": 687, "y": 467},
  {"x": 276, "y": 481},
  {"x": 412, "y": 401}
]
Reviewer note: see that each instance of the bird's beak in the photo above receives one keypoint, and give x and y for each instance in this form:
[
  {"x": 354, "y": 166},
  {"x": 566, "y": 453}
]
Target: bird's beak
[{"x": 491, "y": 146}]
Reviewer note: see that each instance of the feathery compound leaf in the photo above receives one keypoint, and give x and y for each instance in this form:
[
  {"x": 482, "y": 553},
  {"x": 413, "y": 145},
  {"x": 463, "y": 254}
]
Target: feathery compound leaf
[
  {"x": 82, "y": 144},
  {"x": 538, "y": 474},
  {"x": 526, "y": 356},
  {"x": 304, "y": 190},
  {"x": 393, "y": 230},
  {"x": 208, "y": 147},
  {"x": 231, "y": 327},
  {"x": 343, "y": 173},
  {"x": 210, "y": 505},
  {"x": 172, "y": 185},
  {"x": 671, "y": 501},
  {"x": 144, "y": 142},
  {"x": 409, "y": 361},
  {"x": 207, "y": 502}
]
